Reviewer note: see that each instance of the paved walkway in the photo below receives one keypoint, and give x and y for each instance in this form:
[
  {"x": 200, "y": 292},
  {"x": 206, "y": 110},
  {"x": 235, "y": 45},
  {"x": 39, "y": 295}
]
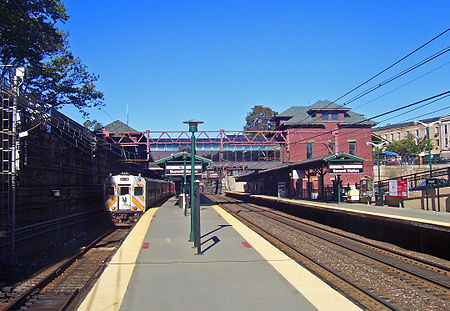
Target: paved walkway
[{"x": 238, "y": 270}]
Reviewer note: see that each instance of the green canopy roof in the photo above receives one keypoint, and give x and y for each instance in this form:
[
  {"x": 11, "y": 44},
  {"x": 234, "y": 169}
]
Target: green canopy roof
[
  {"x": 180, "y": 157},
  {"x": 343, "y": 157}
]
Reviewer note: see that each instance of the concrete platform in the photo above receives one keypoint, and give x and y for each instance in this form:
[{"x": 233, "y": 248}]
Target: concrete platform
[
  {"x": 414, "y": 215},
  {"x": 158, "y": 269}
]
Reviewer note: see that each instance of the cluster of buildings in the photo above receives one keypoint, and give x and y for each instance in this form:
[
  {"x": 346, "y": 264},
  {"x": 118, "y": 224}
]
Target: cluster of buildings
[
  {"x": 325, "y": 147},
  {"x": 439, "y": 133}
]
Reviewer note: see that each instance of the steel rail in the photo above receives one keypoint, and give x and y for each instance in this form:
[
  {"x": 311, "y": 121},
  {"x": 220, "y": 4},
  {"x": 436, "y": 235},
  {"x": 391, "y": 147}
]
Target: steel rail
[
  {"x": 286, "y": 220},
  {"x": 421, "y": 261},
  {"x": 336, "y": 274},
  {"x": 16, "y": 303}
]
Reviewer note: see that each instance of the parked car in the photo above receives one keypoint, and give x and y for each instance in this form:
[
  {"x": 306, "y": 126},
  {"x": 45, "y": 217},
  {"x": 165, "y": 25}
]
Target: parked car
[{"x": 439, "y": 184}]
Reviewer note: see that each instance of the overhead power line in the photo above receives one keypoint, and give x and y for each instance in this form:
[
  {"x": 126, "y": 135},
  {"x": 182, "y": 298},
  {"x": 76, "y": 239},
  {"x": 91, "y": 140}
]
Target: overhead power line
[
  {"x": 403, "y": 85},
  {"x": 356, "y": 134},
  {"x": 387, "y": 68},
  {"x": 402, "y": 73},
  {"x": 395, "y": 63},
  {"x": 413, "y": 104},
  {"x": 435, "y": 97}
]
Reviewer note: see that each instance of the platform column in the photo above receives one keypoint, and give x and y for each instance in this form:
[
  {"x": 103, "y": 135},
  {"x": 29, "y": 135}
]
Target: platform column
[
  {"x": 196, "y": 213},
  {"x": 193, "y": 124}
]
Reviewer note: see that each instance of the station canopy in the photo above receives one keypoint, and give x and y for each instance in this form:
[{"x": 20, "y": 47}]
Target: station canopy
[
  {"x": 333, "y": 163},
  {"x": 180, "y": 163}
]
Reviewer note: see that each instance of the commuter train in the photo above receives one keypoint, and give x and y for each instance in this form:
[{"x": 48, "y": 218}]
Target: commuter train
[{"x": 127, "y": 196}]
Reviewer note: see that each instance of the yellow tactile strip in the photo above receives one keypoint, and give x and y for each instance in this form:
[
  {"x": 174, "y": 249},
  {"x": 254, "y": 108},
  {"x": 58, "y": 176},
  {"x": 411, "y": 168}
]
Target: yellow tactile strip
[
  {"x": 109, "y": 290},
  {"x": 321, "y": 295}
]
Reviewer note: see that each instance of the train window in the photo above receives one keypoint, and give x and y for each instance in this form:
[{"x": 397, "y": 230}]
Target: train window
[
  {"x": 138, "y": 191},
  {"x": 109, "y": 190},
  {"x": 124, "y": 190}
]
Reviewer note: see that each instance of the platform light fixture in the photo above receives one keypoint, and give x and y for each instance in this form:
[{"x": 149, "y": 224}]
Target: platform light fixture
[
  {"x": 428, "y": 125},
  {"x": 193, "y": 127},
  {"x": 378, "y": 147}
]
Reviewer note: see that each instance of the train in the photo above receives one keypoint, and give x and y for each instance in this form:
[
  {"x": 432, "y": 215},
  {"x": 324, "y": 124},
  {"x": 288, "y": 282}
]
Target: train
[{"x": 128, "y": 196}]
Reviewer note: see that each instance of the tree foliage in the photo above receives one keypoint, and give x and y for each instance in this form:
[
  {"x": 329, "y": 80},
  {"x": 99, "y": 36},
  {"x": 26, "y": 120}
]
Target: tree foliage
[
  {"x": 260, "y": 119},
  {"x": 29, "y": 37},
  {"x": 408, "y": 146},
  {"x": 93, "y": 125}
]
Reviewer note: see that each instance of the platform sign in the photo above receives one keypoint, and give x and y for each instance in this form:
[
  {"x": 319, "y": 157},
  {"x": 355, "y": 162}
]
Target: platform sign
[
  {"x": 345, "y": 168},
  {"x": 367, "y": 188},
  {"x": 178, "y": 170},
  {"x": 398, "y": 188}
]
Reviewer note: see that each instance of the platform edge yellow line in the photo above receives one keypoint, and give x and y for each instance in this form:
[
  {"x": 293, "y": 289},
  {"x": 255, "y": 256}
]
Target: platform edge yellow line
[
  {"x": 108, "y": 292},
  {"x": 320, "y": 294}
]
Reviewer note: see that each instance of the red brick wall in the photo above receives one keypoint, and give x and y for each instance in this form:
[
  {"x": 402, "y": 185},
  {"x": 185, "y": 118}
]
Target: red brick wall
[{"x": 298, "y": 137}]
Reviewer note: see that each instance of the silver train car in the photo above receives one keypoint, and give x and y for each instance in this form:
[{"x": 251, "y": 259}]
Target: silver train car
[{"x": 127, "y": 196}]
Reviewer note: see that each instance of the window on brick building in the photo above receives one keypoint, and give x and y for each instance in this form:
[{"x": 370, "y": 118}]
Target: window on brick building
[
  {"x": 330, "y": 116},
  {"x": 398, "y": 136},
  {"x": 352, "y": 148},
  {"x": 330, "y": 148},
  {"x": 392, "y": 136},
  {"x": 309, "y": 150}
]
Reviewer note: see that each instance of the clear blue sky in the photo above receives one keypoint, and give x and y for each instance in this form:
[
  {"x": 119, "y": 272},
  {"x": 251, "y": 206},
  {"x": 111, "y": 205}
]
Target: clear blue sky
[{"x": 213, "y": 61}]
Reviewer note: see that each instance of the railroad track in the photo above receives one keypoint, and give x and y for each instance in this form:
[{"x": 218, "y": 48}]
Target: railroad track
[
  {"x": 402, "y": 267},
  {"x": 59, "y": 288}
]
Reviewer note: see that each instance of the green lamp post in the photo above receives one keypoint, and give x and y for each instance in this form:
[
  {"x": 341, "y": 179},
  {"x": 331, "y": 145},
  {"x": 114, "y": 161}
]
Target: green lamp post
[
  {"x": 193, "y": 125},
  {"x": 184, "y": 184}
]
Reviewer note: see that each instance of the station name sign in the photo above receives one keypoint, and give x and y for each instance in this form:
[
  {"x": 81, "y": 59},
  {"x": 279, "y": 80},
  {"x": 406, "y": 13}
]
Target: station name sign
[
  {"x": 345, "y": 168},
  {"x": 178, "y": 170}
]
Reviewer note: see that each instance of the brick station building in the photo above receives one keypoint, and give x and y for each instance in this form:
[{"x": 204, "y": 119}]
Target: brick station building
[{"x": 315, "y": 132}]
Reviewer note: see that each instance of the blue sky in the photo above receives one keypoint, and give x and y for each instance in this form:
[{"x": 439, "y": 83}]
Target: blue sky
[{"x": 213, "y": 61}]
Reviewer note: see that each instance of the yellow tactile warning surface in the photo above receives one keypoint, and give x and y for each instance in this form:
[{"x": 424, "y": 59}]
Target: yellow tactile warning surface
[
  {"x": 108, "y": 291},
  {"x": 341, "y": 208},
  {"x": 321, "y": 295}
]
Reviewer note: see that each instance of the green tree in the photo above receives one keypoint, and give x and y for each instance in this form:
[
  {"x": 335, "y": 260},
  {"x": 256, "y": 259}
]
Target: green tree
[
  {"x": 93, "y": 125},
  {"x": 260, "y": 119},
  {"x": 29, "y": 37},
  {"x": 408, "y": 146}
]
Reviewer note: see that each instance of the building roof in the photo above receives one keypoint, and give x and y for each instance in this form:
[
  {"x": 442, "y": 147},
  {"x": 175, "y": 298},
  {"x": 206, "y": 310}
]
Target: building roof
[
  {"x": 306, "y": 115},
  {"x": 181, "y": 157},
  {"x": 406, "y": 124},
  {"x": 341, "y": 157},
  {"x": 326, "y": 105},
  {"x": 119, "y": 126}
]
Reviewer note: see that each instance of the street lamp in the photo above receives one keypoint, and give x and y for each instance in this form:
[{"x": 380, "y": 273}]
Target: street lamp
[
  {"x": 193, "y": 125},
  {"x": 378, "y": 146},
  {"x": 428, "y": 125}
]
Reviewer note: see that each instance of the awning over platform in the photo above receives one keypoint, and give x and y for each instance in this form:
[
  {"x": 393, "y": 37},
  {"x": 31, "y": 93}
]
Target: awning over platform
[{"x": 343, "y": 159}]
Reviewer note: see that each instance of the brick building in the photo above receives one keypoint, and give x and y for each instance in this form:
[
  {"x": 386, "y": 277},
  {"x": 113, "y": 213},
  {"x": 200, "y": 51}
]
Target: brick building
[
  {"x": 326, "y": 128},
  {"x": 439, "y": 133}
]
